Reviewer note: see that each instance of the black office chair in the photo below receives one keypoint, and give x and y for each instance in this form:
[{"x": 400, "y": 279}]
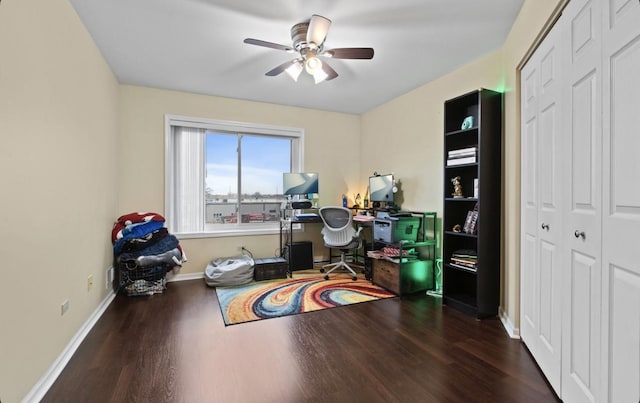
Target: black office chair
[{"x": 338, "y": 233}]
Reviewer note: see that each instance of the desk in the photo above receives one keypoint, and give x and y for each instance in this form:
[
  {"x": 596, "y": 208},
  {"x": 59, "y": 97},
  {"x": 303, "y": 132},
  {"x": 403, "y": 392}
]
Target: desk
[{"x": 286, "y": 227}]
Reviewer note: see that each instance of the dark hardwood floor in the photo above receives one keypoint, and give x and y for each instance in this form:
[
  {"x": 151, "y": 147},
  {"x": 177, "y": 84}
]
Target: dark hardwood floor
[{"x": 174, "y": 347}]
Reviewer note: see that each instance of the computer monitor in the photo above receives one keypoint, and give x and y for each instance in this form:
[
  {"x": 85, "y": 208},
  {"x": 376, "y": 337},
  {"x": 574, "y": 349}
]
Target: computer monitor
[
  {"x": 381, "y": 188},
  {"x": 300, "y": 183}
]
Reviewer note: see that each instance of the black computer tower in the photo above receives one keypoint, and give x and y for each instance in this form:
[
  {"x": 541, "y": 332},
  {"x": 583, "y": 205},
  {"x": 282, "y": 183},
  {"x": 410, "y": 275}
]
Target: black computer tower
[{"x": 299, "y": 255}]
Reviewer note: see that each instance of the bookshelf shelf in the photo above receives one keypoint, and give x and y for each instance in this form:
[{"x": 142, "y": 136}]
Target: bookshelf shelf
[
  {"x": 460, "y": 200},
  {"x": 461, "y": 131},
  {"x": 462, "y": 234},
  {"x": 471, "y": 257}
]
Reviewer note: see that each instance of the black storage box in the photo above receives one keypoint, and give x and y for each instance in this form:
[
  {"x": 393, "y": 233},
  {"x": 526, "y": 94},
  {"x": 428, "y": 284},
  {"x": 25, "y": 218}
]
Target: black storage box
[{"x": 269, "y": 268}]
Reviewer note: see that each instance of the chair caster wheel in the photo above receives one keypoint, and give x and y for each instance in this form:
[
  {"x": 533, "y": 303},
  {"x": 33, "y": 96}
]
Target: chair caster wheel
[
  {"x": 322, "y": 270},
  {"x": 326, "y": 277},
  {"x": 354, "y": 278}
]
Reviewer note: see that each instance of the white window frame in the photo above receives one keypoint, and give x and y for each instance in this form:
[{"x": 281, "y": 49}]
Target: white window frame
[{"x": 239, "y": 229}]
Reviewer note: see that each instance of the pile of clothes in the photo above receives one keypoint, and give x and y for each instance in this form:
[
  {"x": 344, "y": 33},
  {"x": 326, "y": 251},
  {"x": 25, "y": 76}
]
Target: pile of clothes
[{"x": 144, "y": 252}]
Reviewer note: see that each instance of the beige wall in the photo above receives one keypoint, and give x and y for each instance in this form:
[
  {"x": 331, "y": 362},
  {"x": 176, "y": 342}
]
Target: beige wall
[
  {"x": 405, "y": 136},
  {"x": 331, "y": 142},
  {"x": 58, "y": 167},
  {"x": 78, "y": 150}
]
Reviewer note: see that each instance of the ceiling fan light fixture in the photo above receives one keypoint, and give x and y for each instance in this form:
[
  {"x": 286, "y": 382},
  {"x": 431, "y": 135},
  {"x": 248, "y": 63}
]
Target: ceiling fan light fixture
[
  {"x": 294, "y": 70},
  {"x": 319, "y": 76},
  {"x": 312, "y": 64},
  {"x": 317, "y": 31},
  {"x": 308, "y": 39}
]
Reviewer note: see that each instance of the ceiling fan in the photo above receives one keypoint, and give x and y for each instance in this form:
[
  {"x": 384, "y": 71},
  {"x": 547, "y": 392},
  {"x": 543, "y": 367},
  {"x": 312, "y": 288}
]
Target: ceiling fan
[{"x": 308, "y": 40}]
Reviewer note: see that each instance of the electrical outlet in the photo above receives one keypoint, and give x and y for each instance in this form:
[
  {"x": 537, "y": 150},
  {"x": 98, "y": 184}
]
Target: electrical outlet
[
  {"x": 64, "y": 307},
  {"x": 90, "y": 282}
]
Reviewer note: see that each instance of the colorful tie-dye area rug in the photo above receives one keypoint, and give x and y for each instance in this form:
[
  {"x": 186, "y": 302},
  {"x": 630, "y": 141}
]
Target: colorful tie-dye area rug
[{"x": 307, "y": 291}]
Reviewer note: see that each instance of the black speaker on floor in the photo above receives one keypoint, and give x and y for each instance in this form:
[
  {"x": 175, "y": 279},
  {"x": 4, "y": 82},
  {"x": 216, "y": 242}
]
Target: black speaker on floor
[{"x": 299, "y": 255}]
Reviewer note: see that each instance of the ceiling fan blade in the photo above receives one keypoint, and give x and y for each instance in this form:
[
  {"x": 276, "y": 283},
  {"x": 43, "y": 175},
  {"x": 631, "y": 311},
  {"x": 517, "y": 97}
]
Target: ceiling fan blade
[
  {"x": 349, "y": 53},
  {"x": 318, "y": 28},
  {"x": 331, "y": 73},
  {"x": 266, "y": 44},
  {"x": 279, "y": 69}
]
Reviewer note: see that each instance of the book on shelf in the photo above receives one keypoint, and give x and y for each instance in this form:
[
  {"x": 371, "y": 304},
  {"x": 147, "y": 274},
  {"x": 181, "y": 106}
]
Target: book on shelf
[
  {"x": 473, "y": 227},
  {"x": 463, "y": 152},
  {"x": 471, "y": 222},
  {"x": 462, "y": 261},
  {"x": 465, "y": 259},
  {"x": 457, "y": 156},
  {"x": 465, "y": 253},
  {"x": 460, "y": 161},
  {"x": 463, "y": 267}
]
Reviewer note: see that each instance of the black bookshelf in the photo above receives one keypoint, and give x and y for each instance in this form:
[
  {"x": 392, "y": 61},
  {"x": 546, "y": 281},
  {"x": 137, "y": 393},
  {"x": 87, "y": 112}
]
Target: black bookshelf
[{"x": 472, "y": 150}]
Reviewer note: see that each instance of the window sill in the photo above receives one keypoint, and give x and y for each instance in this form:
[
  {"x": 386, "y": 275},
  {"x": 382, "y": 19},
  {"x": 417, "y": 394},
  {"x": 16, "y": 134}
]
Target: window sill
[{"x": 228, "y": 233}]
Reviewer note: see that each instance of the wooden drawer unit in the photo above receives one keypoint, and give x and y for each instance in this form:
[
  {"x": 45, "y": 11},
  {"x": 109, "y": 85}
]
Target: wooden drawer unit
[
  {"x": 387, "y": 275},
  {"x": 405, "y": 278}
]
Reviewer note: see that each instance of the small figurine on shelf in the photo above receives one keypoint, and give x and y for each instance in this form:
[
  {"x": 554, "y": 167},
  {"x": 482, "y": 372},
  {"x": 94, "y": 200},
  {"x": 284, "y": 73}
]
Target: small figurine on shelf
[
  {"x": 457, "y": 187},
  {"x": 366, "y": 199},
  {"x": 467, "y": 123}
]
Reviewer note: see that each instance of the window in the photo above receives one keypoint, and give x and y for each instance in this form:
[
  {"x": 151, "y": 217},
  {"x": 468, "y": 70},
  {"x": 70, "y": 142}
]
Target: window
[{"x": 225, "y": 178}]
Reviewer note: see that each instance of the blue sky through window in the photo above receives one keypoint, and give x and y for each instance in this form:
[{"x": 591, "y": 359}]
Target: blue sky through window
[{"x": 264, "y": 159}]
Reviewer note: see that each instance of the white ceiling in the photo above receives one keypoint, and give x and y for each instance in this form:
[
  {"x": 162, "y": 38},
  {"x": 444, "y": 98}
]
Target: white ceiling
[{"x": 196, "y": 45}]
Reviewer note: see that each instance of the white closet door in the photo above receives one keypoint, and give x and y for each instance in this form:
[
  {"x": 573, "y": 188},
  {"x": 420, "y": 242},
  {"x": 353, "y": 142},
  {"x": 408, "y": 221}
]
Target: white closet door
[
  {"x": 621, "y": 204},
  {"x": 541, "y": 212},
  {"x": 582, "y": 269}
]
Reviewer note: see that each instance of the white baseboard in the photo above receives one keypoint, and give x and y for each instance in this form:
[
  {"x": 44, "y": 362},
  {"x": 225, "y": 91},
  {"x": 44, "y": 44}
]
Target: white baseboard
[
  {"x": 513, "y": 332},
  {"x": 183, "y": 277},
  {"x": 42, "y": 386}
]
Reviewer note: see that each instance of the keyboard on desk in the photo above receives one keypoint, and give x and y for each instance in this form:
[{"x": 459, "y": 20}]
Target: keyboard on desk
[{"x": 306, "y": 217}]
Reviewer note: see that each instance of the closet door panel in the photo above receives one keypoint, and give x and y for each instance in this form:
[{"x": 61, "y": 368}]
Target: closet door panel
[
  {"x": 625, "y": 333},
  {"x": 529, "y": 306},
  {"x": 583, "y": 351},
  {"x": 619, "y": 10},
  {"x": 585, "y": 141},
  {"x": 529, "y": 152},
  {"x": 581, "y": 331},
  {"x": 621, "y": 201},
  {"x": 541, "y": 212},
  {"x": 625, "y": 122},
  {"x": 529, "y": 239},
  {"x": 530, "y": 164},
  {"x": 548, "y": 152},
  {"x": 549, "y": 212},
  {"x": 547, "y": 288}
]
